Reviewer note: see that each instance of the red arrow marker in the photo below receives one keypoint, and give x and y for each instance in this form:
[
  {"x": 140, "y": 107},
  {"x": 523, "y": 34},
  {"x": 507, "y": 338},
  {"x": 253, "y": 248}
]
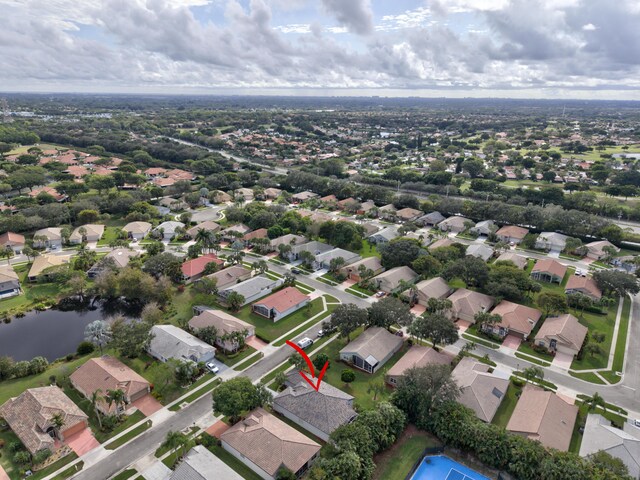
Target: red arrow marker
[{"x": 316, "y": 386}]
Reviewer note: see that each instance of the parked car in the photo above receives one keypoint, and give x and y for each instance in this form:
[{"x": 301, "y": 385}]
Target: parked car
[
  {"x": 380, "y": 294},
  {"x": 295, "y": 271},
  {"x": 320, "y": 333},
  {"x": 399, "y": 333},
  {"x": 212, "y": 367},
  {"x": 305, "y": 342}
]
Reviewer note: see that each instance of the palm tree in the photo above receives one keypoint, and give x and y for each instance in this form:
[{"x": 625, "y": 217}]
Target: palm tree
[
  {"x": 83, "y": 234},
  {"x": 6, "y": 252},
  {"x": 115, "y": 397},
  {"x": 96, "y": 398},
  {"x": 596, "y": 401},
  {"x": 204, "y": 237},
  {"x": 98, "y": 332},
  {"x": 57, "y": 422},
  {"x": 175, "y": 440}
]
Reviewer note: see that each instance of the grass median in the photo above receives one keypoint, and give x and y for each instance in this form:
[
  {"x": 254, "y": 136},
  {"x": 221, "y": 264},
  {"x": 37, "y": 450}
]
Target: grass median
[{"x": 130, "y": 435}]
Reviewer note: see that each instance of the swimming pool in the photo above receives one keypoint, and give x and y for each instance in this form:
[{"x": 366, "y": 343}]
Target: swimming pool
[{"x": 439, "y": 467}]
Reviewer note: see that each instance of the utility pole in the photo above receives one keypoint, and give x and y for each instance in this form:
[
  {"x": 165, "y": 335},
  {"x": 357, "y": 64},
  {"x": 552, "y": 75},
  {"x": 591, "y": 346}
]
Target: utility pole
[{"x": 6, "y": 115}]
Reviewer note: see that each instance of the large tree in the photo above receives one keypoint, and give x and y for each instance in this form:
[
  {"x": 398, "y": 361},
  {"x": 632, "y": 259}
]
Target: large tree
[
  {"x": 616, "y": 282},
  {"x": 389, "y": 311},
  {"x": 552, "y": 303},
  {"x": 347, "y": 317},
  {"x": 435, "y": 327},
  {"x": 399, "y": 252},
  {"x": 472, "y": 270},
  {"x": 238, "y": 396}
]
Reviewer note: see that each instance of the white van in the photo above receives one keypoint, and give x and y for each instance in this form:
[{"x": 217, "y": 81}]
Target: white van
[{"x": 305, "y": 342}]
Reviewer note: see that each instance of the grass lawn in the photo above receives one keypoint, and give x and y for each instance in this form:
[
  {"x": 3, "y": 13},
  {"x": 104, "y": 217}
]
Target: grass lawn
[
  {"x": 396, "y": 462},
  {"x": 610, "y": 376},
  {"x": 69, "y": 472},
  {"x": 244, "y": 471},
  {"x": 368, "y": 250},
  {"x": 129, "y": 436},
  {"x": 330, "y": 299},
  {"x": 110, "y": 234},
  {"x": 45, "y": 472},
  {"x": 535, "y": 360},
  {"x": 358, "y": 388},
  {"x": 271, "y": 375},
  {"x": 621, "y": 345},
  {"x": 196, "y": 394},
  {"x": 503, "y": 414},
  {"x": 588, "y": 377},
  {"x": 125, "y": 474},
  {"x": 298, "y": 331},
  {"x": 42, "y": 146},
  {"x": 601, "y": 323},
  {"x": 270, "y": 330},
  {"x": 526, "y": 348},
  {"x": 32, "y": 293},
  {"x": 480, "y": 341},
  {"x": 249, "y": 362},
  {"x": 306, "y": 289},
  {"x": 359, "y": 291},
  {"x": 232, "y": 359}
]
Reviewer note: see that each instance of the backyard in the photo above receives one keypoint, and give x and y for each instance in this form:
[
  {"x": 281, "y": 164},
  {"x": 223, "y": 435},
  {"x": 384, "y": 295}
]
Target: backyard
[
  {"x": 503, "y": 414},
  {"x": 32, "y": 293}
]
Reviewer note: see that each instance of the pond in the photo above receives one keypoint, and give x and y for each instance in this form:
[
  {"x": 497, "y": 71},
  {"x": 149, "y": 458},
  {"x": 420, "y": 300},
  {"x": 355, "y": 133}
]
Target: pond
[{"x": 51, "y": 334}]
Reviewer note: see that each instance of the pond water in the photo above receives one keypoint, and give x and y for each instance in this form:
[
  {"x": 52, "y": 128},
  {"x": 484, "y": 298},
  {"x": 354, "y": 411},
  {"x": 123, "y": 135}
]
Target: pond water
[{"x": 51, "y": 334}]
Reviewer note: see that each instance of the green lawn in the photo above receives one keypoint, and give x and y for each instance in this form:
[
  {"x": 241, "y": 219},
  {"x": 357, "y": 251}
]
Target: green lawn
[
  {"x": 503, "y": 414},
  {"x": 480, "y": 341},
  {"x": 270, "y": 330},
  {"x": 110, "y": 234},
  {"x": 196, "y": 394},
  {"x": 244, "y": 471},
  {"x": 298, "y": 331},
  {"x": 32, "y": 294},
  {"x": 249, "y": 362},
  {"x": 359, "y": 291},
  {"x": 526, "y": 348},
  {"x": 368, "y": 250},
  {"x": 129, "y": 436},
  {"x": 69, "y": 472},
  {"x": 588, "y": 377},
  {"x": 396, "y": 463},
  {"x": 233, "y": 358},
  {"x": 535, "y": 360},
  {"x": 357, "y": 388},
  {"x": 330, "y": 299},
  {"x": 610, "y": 376},
  {"x": 623, "y": 330},
  {"x": 601, "y": 323},
  {"x": 125, "y": 474},
  {"x": 329, "y": 278}
]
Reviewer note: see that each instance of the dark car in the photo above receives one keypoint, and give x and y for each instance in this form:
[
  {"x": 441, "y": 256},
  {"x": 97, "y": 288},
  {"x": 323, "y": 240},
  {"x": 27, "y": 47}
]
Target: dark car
[{"x": 295, "y": 271}]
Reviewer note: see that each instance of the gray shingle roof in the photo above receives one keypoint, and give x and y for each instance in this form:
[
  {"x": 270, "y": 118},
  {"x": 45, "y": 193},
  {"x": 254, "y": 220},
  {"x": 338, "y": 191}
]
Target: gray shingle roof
[{"x": 201, "y": 464}]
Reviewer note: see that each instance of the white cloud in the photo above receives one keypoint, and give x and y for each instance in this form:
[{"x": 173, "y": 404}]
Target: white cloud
[{"x": 589, "y": 27}]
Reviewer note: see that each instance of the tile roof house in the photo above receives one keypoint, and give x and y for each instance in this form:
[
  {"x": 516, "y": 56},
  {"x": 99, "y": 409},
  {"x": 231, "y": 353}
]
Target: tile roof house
[
  {"x": 107, "y": 373},
  {"x": 584, "y": 285},
  {"x": 93, "y": 233},
  {"x": 408, "y": 214},
  {"x": 251, "y": 289},
  {"x": 30, "y": 415},
  {"x": 543, "y": 416},
  {"x": 512, "y": 233},
  {"x": 383, "y": 236},
  {"x": 441, "y": 243},
  {"x": 623, "y": 443},
  {"x": 352, "y": 271},
  {"x": 391, "y": 279},
  {"x": 563, "y": 333},
  {"x": 42, "y": 262},
  {"x": 518, "y": 320},
  {"x": 319, "y": 412},
  {"x": 371, "y": 349},
  {"x": 13, "y": 240},
  {"x": 288, "y": 239},
  {"x": 59, "y": 197},
  {"x": 265, "y": 443},
  {"x": 303, "y": 196},
  {"x": 230, "y": 276},
  {"x": 224, "y": 323},
  {"x": 387, "y": 211},
  {"x": 168, "y": 229},
  {"x": 548, "y": 270},
  {"x": 323, "y": 260},
  {"x": 480, "y": 251},
  {"x": 194, "y": 268},
  {"x": 259, "y": 233},
  {"x": 416, "y": 356},
  {"x": 281, "y": 303},
  {"x": 137, "y": 230},
  {"x": 485, "y": 227},
  {"x": 169, "y": 341},
  {"x": 454, "y": 224},
  {"x": 436, "y": 287},
  {"x": 245, "y": 193},
  {"x": 207, "y": 225},
  {"x": 366, "y": 207},
  {"x": 551, "y": 241},
  {"x": 314, "y": 247},
  {"x": 271, "y": 193},
  {"x": 118, "y": 257},
  {"x": 466, "y": 303},
  {"x": 595, "y": 250},
  {"x": 482, "y": 391},
  {"x": 200, "y": 464},
  {"x": 430, "y": 219},
  {"x": 52, "y": 238},
  {"x": 518, "y": 260},
  {"x": 9, "y": 282}
]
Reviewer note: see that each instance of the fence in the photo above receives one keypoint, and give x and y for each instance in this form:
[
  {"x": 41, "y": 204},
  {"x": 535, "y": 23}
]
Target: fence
[{"x": 425, "y": 452}]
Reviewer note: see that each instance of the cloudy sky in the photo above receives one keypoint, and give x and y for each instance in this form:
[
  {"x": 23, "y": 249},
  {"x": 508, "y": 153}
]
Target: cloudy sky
[{"x": 454, "y": 48}]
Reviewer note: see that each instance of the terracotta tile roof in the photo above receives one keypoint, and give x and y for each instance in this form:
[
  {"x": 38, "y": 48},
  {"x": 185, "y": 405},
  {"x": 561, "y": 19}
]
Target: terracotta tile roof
[
  {"x": 408, "y": 213},
  {"x": 586, "y": 284},
  {"x": 544, "y": 416},
  {"x": 283, "y": 300},
  {"x": 29, "y": 415},
  {"x": 230, "y": 275},
  {"x": 549, "y": 265},
  {"x": 517, "y": 317},
  {"x": 440, "y": 243},
  {"x": 10, "y": 238},
  {"x": 597, "y": 248},
  {"x": 418, "y": 356},
  {"x": 42, "y": 262},
  {"x": 468, "y": 302},
  {"x": 163, "y": 182},
  {"x": 270, "y": 443},
  {"x": 482, "y": 391},
  {"x": 107, "y": 373},
  {"x": 137, "y": 227},
  {"x": 222, "y": 321},
  {"x": 49, "y": 190},
  {"x": 567, "y": 327},
  {"x": 260, "y": 233},
  {"x": 196, "y": 266},
  {"x": 93, "y": 229},
  {"x": 512, "y": 231},
  {"x": 207, "y": 225},
  {"x": 7, "y": 274}
]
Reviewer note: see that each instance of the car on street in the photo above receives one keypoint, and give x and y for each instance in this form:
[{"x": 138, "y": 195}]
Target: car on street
[
  {"x": 212, "y": 367},
  {"x": 320, "y": 333},
  {"x": 305, "y": 342},
  {"x": 380, "y": 294},
  {"x": 295, "y": 271}
]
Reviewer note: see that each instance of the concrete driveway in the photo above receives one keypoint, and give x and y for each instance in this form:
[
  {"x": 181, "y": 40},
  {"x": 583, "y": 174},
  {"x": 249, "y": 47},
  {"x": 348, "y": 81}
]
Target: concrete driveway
[
  {"x": 512, "y": 342},
  {"x": 562, "y": 360},
  {"x": 147, "y": 405},
  {"x": 82, "y": 442}
]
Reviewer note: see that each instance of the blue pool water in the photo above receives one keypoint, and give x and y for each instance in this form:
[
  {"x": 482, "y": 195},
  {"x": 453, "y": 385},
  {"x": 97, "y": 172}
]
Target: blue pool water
[{"x": 439, "y": 467}]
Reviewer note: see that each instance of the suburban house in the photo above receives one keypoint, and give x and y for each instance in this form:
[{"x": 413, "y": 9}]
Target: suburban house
[
  {"x": 169, "y": 341},
  {"x": 551, "y": 241},
  {"x": 584, "y": 285},
  {"x": 548, "y": 270},
  {"x": 265, "y": 443},
  {"x": 92, "y": 233},
  {"x": 323, "y": 260},
  {"x": 564, "y": 334},
  {"x": 454, "y": 224},
  {"x": 200, "y": 464},
  {"x": 259, "y": 233},
  {"x": 441, "y": 243},
  {"x": 366, "y": 207},
  {"x": 517, "y": 320},
  {"x": 245, "y": 193},
  {"x": 315, "y": 247},
  {"x": 271, "y": 193},
  {"x": 13, "y": 240},
  {"x": 512, "y": 234},
  {"x": 48, "y": 238},
  {"x": 234, "y": 232},
  {"x": 518, "y": 260},
  {"x": 387, "y": 212},
  {"x": 43, "y": 262},
  {"x": 224, "y": 324},
  {"x": 59, "y": 197},
  {"x": 480, "y": 251},
  {"x": 230, "y": 276},
  {"x": 391, "y": 279},
  {"x": 252, "y": 289},
  {"x": 119, "y": 258},
  {"x": 369, "y": 228},
  {"x": 193, "y": 269},
  {"x": 430, "y": 219},
  {"x": 485, "y": 227},
  {"x": 595, "y": 250},
  {"x": 408, "y": 214},
  {"x": 9, "y": 282},
  {"x": 383, "y": 236},
  {"x": 107, "y": 373},
  {"x": 482, "y": 391},
  {"x": 303, "y": 196},
  {"x": 221, "y": 197},
  {"x": 137, "y": 230},
  {"x": 207, "y": 226},
  {"x": 623, "y": 443},
  {"x": 320, "y": 412},
  {"x": 288, "y": 239},
  {"x": 371, "y": 349},
  {"x": 281, "y": 303},
  {"x": 167, "y": 230},
  {"x": 347, "y": 203},
  {"x": 436, "y": 287},
  {"x": 30, "y": 415},
  {"x": 466, "y": 303},
  {"x": 416, "y": 356},
  {"x": 352, "y": 271},
  {"x": 543, "y": 416}
]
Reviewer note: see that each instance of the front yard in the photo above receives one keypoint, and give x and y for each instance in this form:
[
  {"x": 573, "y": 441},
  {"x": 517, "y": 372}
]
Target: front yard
[{"x": 603, "y": 323}]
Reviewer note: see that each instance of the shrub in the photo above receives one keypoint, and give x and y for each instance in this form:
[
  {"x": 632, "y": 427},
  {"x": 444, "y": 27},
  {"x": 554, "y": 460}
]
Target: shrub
[
  {"x": 15, "y": 446},
  {"x": 85, "y": 348},
  {"x": 347, "y": 375},
  {"x": 21, "y": 369},
  {"x": 518, "y": 382},
  {"x": 22, "y": 458},
  {"x": 38, "y": 365}
]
